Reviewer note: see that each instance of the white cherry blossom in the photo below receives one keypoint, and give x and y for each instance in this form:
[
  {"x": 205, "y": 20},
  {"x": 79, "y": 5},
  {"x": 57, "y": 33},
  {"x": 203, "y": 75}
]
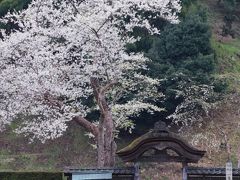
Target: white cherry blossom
[{"x": 70, "y": 50}]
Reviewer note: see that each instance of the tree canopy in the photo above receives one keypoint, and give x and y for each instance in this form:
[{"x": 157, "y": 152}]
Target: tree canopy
[{"x": 67, "y": 52}]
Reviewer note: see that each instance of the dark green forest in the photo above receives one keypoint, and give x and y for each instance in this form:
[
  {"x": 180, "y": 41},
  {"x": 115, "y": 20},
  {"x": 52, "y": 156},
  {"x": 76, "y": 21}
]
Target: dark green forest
[{"x": 12, "y": 5}]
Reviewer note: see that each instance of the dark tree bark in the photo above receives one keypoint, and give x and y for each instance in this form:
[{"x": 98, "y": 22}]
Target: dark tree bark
[
  {"x": 104, "y": 132},
  {"x": 87, "y": 125},
  {"x": 105, "y": 141}
]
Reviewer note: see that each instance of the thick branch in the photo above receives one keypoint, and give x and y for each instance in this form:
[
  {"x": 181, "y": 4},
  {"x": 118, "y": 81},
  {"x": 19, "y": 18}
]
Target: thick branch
[
  {"x": 108, "y": 86},
  {"x": 96, "y": 87},
  {"x": 90, "y": 127},
  {"x": 99, "y": 96}
]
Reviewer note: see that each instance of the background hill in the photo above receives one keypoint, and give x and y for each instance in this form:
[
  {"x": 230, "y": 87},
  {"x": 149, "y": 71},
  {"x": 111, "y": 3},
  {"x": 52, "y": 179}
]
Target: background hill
[{"x": 219, "y": 128}]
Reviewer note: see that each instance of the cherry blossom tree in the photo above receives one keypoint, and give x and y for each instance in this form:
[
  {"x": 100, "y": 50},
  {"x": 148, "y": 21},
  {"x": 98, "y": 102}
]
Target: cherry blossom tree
[{"x": 69, "y": 51}]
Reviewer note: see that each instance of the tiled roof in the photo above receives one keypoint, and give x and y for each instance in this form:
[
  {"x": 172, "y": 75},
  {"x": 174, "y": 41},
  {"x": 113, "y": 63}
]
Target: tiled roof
[{"x": 160, "y": 139}]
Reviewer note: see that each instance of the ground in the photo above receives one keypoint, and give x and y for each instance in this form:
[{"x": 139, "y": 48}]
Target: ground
[{"x": 16, "y": 153}]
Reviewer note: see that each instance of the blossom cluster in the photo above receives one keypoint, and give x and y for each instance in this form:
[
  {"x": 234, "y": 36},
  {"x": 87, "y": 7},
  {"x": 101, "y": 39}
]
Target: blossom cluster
[{"x": 46, "y": 65}]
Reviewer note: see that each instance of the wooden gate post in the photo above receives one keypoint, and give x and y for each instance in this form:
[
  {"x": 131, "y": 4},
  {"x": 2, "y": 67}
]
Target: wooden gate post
[
  {"x": 137, "y": 171},
  {"x": 184, "y": 171}
]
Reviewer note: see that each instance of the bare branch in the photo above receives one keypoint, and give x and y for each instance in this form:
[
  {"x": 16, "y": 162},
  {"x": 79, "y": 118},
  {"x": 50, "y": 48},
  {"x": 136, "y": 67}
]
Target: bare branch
[
  {"x": 77, "y": 12},
  {"x": 100, "y": 27},
  {"x": 73, "y": 5}
]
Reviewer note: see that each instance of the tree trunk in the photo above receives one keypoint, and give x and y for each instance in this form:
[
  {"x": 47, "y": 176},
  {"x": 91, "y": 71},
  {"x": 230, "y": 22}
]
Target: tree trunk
[
  {"x": 105, "y": 143},
  {"x": 104, "y": 137},
  {"x": 105, "y": 140},
  {"x": 100, "y": 145},
  {"x": 104, "y": 131}
]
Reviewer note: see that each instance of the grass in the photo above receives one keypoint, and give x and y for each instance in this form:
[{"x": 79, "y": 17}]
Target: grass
[
  {"x": 31, "y": 176},
  {"x": 72, "y": 149},
  {"x": 228, "y": 62},
  {"x": 229, "y": 49},
  {"x": 27, "y": 162}
]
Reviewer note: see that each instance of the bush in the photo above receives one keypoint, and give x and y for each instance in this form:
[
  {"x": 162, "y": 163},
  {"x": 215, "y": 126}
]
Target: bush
[{"x": 31, "y": 176}]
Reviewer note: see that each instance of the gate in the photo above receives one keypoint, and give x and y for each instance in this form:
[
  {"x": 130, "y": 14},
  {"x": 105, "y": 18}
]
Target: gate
[
  {"x": 198, "y": 173},
  {"x": 127, "y": 173},
  {"x": 160, "y": 145}
]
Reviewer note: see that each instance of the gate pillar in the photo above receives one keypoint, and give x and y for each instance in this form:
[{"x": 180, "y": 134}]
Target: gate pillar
[
  {"x": 184, "y": 170},
  {"x": 137, "y": 171}
]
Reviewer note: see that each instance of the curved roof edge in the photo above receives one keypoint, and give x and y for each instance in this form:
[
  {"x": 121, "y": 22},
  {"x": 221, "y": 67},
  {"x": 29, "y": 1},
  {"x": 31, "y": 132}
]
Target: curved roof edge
[{"x": 160, "y": 139}]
